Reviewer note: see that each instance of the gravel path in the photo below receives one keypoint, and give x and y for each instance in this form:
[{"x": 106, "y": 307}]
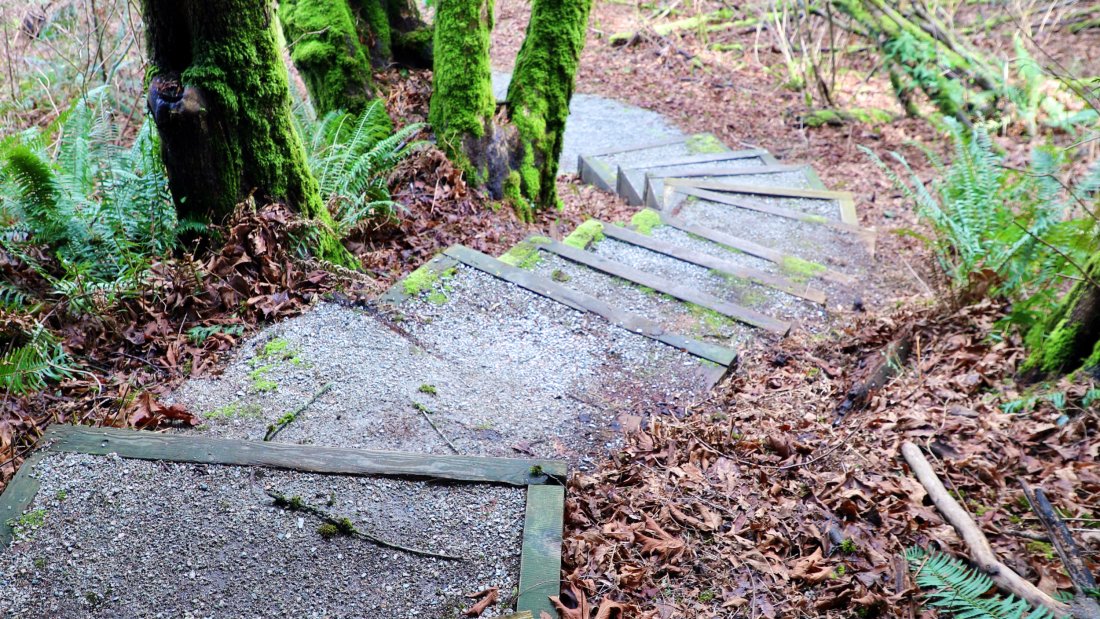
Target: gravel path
[
  {"x": 385, "y": 390},
  {"x": 112, "y": 546},
  {"x": 809, "y": 241}
]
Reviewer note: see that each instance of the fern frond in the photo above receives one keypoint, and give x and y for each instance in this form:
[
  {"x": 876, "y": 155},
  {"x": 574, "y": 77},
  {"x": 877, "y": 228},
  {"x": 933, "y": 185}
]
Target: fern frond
[
  {"x": 29, "y": 367},
  {"x": 957, "y": 588}
]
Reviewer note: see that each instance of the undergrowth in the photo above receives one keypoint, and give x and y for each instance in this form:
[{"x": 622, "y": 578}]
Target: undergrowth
[{"x": 954, "y": 587}]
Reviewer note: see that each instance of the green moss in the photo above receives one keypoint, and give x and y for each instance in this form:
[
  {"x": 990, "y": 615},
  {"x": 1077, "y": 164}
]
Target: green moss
[
  {"x": 429, "y": 389},
  {"x": 704, "y": 143},
  {"x": 820, "y": 118},
  {"x": 423, "y": 278},
  {"x": 260, "y": 381},
  {"x": 586, "y": 234},
  {"x": 816, "y": 219},
  {"x": 645, "y": 220},
  {"x": 328, "y": 530},
  {"x": 28, "y": 522},
  {"x": 868, "y": 116},
  {"x": 378, "y": 30},
  {"x": 541, "y": 87},
  {"x": 800, "y": 270},
  {"x": 560, "y": 276},
  {"x": 325, "y": 47},
  {"x": 524, "y": 255},
  {"x": 711, "y": 320},
  {"x": 437, "y": 297},
  {"x": 236, "y": 410},
  {"x": 462, "y": 101},
  {"x": 513, "y": 194}
]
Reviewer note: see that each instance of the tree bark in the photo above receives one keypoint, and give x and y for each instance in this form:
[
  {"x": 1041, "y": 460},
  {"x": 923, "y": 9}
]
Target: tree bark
[
  {"x": 541, "y": 88},
  {"x": 220, "y": 98},
  {"x": 514, "y": 154},
  {"x": 1070, "y": 337},
  {"x": 325, "y": 47}
]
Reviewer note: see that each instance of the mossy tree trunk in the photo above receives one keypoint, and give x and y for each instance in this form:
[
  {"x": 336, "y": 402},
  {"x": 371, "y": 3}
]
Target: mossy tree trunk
[
  {"x": 220, "y": 98},
  {"x": 325, "y": 47},
  {"x": 541, "y": 88},
  {"x": 1070, "y": 337},
  {"x": 513, "y": 153}
]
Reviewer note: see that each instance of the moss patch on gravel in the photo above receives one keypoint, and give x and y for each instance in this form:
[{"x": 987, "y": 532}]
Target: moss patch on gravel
[
  {"x": 645, "y": 220},
  {"x": 586, "y": 234}
]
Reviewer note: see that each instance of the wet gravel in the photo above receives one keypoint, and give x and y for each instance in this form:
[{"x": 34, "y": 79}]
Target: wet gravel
[
  {"x": 637, "y": 176},
  {"x": 128, "y": 538}
]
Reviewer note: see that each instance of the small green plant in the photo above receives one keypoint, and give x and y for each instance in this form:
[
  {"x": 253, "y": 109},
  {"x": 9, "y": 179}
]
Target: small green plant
[
  {"x": 198, "y": 335},
  {"x": 849, "y": 545},
  {"x": 236, "y": 410},
  {"x": 429, "y": 389},
  {"x": 954, "y": 587},
  {"x": 707, "y": 596},
  {"x": 328, "y": 530},
  {"x": 28, "y": 521},
  {"x": 33, "y": 359},
  {"x": 260, "y": 382}
]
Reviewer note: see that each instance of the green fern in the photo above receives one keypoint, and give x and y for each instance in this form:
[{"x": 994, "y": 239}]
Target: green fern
[
  {"x": 30, "y": 366},
  {"x": 956, "y": 588},
  {"x": 352, "y": 156}
]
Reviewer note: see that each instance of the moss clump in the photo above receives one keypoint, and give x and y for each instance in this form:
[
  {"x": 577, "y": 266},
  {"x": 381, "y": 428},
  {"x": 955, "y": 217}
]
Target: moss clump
[
  {"x": 328, "y": 530},
  {"x": 524, "y": 254},
  {"x": 325, "y": 48},
  {"x": 586, "y": 234},
  {"x": 1070, "y": 337},
  {"x": 28, "y": 521},
  {"x": 560, "y": 276},
  {"x": 429, "y": 389},
  {"x": 704, "y": 143},
  {"x": 711, "y": 320},
  {"x": 541, "y": 88},
  {"x": 260, "y": 382},
  {"x": 800, "y": 270},
  {"x": 645, "y": 220},
  {"x": 820, "y": 118},
  {"x": 423, "y": 278},
  {"x": 513, "y": 194},
  {"x": 867, "y": 116},
  {"x": 236, "y": 410}
]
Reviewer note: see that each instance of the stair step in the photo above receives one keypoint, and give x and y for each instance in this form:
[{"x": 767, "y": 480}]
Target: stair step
[
  {"x": 671, "y": 288},
  {"x": 789, "y": 262},
  {"x": 723, "y": 265},
  {"x": 631, "y": 180},
  {"x": 783, "y": 176},
  {"x": 743, "y": 292},
  {"x": 841, "y": 250},
  {"x": 836, "y": 205},
  {"x": 583, "y": 302},
  {"x": 601, "y": 168}
]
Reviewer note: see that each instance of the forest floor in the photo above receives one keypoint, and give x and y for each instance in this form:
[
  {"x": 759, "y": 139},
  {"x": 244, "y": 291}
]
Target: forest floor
[{"x": 829, "y": 507}]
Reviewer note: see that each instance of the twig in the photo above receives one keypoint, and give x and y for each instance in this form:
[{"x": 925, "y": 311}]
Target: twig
[
  {"x": 1084, "y": 273},
  {"x": 980, "y": 550},
  {"x": 289, "y": 418},
  {"x": 344, "y": 526},
  {"x": 424, "y": 412}
]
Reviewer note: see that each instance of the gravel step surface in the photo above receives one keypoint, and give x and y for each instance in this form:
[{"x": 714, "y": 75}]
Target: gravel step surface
[
  {"x": 387, "y": 391},
  {"x": 755, "y": 296},
  {"x": 554, "y": 352},
  {"x": 124, "y": 539},
  {"x": 793, "y": 179},
  {"x": 841, "y": 251},
  {"x": 672, "y": 314},
  {"x": 838, "y": 296},
  {"x": 636, "y": 177},
  {"x": 827, "y": 208}
]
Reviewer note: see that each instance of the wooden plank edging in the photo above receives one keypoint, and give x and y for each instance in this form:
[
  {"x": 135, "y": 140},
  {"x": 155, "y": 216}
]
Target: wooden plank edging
[
  {"x": 144, "y": 445},
  {"x": 17, "y": 497},
  {"x": 540, "y": 557}
]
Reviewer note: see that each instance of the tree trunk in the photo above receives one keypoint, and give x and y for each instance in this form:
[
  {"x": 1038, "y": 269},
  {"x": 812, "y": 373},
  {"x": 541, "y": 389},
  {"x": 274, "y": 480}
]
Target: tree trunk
[
  {"x": 514, "y": 155},
  {"x": 325, "y": 48},
  {"x": 220, "y": 98},
  {"x": 1070, "y": 337},
  {"x": 541, "y": 88}
]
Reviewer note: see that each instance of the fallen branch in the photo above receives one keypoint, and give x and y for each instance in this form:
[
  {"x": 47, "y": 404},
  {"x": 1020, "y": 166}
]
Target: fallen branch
[
  {"x": 1082, "y": 607},
  {"x": 343, "y": 526},
  {"x": 981, "y": 553},
  {"x": 882, "y": 370},
  {"x": 287, "y": 419}
]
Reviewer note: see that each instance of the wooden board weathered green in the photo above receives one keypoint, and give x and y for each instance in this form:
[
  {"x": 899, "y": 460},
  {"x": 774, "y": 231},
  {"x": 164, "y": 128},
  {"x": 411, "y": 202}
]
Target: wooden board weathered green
[
  {"x": 540, "y": 561},
  {"x": 17, "y": 496}
]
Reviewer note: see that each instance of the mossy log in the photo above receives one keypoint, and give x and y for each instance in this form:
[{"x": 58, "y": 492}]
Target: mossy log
[
  {"x": 515, "y": 153},
  {"x": 1070, "y": 337},
  {"x": 220, "y": 98}
]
